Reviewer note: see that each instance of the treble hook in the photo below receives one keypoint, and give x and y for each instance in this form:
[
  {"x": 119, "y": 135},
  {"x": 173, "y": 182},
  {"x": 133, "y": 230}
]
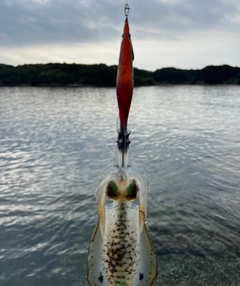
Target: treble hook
[{"x": 126, "y": 8}]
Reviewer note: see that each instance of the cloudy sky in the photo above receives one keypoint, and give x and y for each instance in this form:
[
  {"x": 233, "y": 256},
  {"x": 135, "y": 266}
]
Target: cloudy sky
[{"x": 179, "y": 33}]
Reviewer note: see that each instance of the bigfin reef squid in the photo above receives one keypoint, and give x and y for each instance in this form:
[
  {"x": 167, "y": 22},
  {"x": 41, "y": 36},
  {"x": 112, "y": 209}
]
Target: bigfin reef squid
[{"x": 121, "y": 252}]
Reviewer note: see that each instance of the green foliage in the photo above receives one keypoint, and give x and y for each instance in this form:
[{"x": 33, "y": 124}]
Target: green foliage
[
  {"x": 143, "y": 78},
  {"x": 217, "y": 74},
  {"x": 56, "y": 74},
  {"x": 171, "y": 76}
]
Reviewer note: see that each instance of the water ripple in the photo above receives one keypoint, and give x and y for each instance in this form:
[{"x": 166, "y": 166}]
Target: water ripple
[{"x": 54, "y": 146}]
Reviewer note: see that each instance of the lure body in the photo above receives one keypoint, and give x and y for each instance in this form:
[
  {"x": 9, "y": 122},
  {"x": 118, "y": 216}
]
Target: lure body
[
  {"x": 124, "y": 84},
  {"x": 121, "y": 252}
]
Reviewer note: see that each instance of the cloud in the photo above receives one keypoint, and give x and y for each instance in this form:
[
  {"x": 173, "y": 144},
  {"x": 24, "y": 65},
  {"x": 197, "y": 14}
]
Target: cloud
[
  {"x": 31, "y": 22},
  {"x": 158, "y": 25},
  {"x": 56, "y": 21}
]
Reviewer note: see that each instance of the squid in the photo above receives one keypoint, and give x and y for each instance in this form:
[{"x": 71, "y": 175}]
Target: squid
[{"x": 120, "y": 251}]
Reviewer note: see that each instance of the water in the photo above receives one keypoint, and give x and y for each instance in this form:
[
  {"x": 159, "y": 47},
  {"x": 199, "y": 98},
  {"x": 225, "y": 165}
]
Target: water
[{"x": 55, "y": 144}]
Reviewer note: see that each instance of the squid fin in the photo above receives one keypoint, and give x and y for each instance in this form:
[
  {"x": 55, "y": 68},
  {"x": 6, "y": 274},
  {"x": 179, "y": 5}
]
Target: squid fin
[
  {"x": 96, "y": 274},
  {"x": 148, "y": 261}
]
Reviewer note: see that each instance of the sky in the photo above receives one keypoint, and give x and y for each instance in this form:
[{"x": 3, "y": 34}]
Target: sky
[{"x": 187, "y": 34}]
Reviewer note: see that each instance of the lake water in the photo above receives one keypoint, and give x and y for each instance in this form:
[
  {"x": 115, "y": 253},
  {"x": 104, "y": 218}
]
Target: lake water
[{"x": 55, "y": 144}]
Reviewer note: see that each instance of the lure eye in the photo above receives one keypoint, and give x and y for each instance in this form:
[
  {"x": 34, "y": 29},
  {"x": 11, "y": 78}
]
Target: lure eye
[
  {"x": 112, "y": 189},
  {"x": 132, "y": 191}
]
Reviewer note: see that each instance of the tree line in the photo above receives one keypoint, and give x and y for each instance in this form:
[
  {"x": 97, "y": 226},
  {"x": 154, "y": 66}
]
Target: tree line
[{"x": 56, "y": 74}]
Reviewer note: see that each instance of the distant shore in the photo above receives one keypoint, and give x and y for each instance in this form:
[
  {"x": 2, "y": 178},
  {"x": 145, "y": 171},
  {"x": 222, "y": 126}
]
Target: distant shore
[{"x": 78, "y": 75}]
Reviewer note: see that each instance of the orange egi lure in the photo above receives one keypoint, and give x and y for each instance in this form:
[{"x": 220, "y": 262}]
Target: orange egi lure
[{"x": 124, "y": 85}]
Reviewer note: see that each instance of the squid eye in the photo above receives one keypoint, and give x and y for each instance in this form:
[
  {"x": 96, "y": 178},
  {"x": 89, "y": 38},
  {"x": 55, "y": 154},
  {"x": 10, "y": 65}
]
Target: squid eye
[
  {"x": 132, "y": 190},
  {"x": 112, "y": 190},
  {"x": 122, "y": 35},
  {"x": 129, "y": 36}
]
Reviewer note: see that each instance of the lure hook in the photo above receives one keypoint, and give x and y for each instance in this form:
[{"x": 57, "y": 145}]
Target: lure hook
[{"x": 126, "y": 9}]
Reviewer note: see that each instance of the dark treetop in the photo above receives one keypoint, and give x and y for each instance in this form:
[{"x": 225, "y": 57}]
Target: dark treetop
[{"x": 56, "y": 74}]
